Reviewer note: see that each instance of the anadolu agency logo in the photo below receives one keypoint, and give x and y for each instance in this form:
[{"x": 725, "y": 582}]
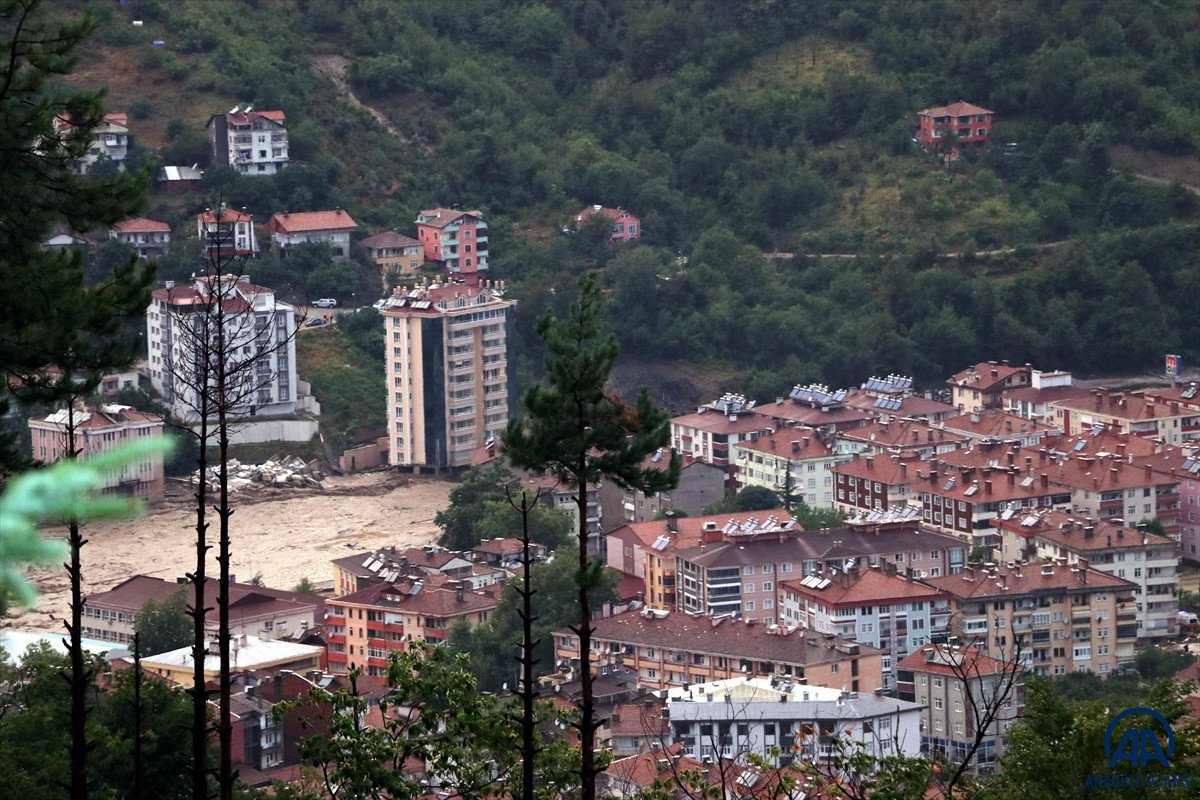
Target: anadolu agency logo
[{"x": 1146, "y": 752}]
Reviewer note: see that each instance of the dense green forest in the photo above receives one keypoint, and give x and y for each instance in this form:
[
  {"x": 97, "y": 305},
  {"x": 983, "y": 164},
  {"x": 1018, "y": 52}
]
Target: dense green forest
[{"x": 734, "y": 129}]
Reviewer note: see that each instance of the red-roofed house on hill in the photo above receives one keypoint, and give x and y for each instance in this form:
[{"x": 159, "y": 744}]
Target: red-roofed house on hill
[
  {"x": 98, "y": 429},
  {"x": 983, "y": 385},
  {"x": 970, "y": 123},
  {"x": 311, "y": 227},
  {"x": 147, "y": 236},
  {"x": 625, "y": 226},
  {"x": 252, "y": 142},
  {"x": 226, "y": 233},
  {"x": 394, "y": 254},
  {"x": 456, "y": 240}
]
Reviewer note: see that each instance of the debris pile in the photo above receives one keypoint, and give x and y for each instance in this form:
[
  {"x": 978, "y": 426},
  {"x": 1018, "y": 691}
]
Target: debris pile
[{"x": 282, "y": 472}]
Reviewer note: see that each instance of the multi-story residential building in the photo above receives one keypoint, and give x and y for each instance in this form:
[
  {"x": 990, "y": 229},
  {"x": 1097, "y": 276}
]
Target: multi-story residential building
[
  {"x": 1183, "y": 466},
  {"x": 101, "y": 428},
  {"x": 873, "y": 606},
  {"x": 1051, "y": 617},
  {"x": 260, "y": 341},
  {"x": 971, "y": 125},
  {"x": 875, "y": 483},
  {"x": 385, "y": 564},
  {"x": 964, "y": 500},
  {"x": 449, "y": 376},
  {"x": 506, "y": 553},
  {"x": 226, "y": 233},
  {"x": 993, "y": 425},
  {"x": 709, "y": 434},
  {"x": 1035, "y": 400},
  {"x": 456, "y": 240},
  {"x": 553, "y": 494},
  {"x": 817, "y": 407},
  {"x": 742, "y": 717},
  {"x": 792, "y": 462},
  {"x": 252, "y": 142},
  {"x": 1146, "y": 559},
  {"x": 737, "y": 569},
  {"x": 111, "y": 616},
  {"x": 363, "y": 626},
  {"x": 1188, "y": 397},
  {"x": 892, "y": 398},
  {"x": 311, "y": 227},
  {"x": 700, "y": 485},
  {"x": 959, "y": 688},
  {"x": 1141, "y": 413},
  {"x": 665, "y": 649},
  {"x": 110, "y": 140},
  {"x": 147, "y": 236},
  {"x": 983, "y": 385},
  {"x": 915, "y": 438},
  {"x": 625, "y": 226},
  {"x": 394, "y": 254}
]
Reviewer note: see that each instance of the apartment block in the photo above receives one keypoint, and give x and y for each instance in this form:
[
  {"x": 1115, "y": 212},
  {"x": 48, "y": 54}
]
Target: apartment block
[
  {"x": 958, "y": 689},
  {"x": 983, "y": 385},
  {"x": 892, "y": 398},
  {"x": 876, "y": 607},
  {"x": 782, "y": 721},
  {"x": 964, "y": 500},
  {"x": 994, "y": 425},
  {"x": 226, "y": 234},
  {"x": 875, "y": 483},
  {"x": 1036, "y": 401},
  {"x": 700, "y": 485},
  {"x": 913, "y": 438},
  {"x": 98, "y": 429},
  {"x": 456, "y": 240},
  {"x": 817, "y": 407},
  {"x": 394, "y": 253},
  {"x": 1143, "y": 413},
  {"x": 1052, "y": 617},
  {"x": 252, "y": 142},
  {"x": 790, "y": 461},
  {"x": 1146, "y": 559},
  {"x": 363, "y": 626},
  {"x": 260, "y": 337},
  {"x": 665, "y": 649},
  {"x": 710, "y": 433},
  {"x": 254, "y": 610},
  {"x": 449, "y": 375}
]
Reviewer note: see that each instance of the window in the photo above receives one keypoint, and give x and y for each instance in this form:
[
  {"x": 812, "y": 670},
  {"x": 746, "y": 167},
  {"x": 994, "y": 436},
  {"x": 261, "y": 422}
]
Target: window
[
  {"x": 749, "y": 570},
  {"x": 748, "y": 588},
  {"x": 750, "y": 605},
  {"x": 768, "y": 586}
]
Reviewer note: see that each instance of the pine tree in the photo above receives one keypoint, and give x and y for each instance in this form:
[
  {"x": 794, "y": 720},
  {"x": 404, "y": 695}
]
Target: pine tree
[{"x": 581, "y": 433}]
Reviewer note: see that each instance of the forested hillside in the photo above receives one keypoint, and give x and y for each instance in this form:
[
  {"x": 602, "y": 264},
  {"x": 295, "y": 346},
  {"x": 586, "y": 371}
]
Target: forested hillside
[{"x": 734, "y": 129}]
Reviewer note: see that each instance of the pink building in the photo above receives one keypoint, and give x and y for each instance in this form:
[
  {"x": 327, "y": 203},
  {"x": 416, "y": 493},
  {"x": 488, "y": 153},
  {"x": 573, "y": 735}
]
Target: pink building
[
  {"x": 970, "y": 123},
  {"x": 457, "y": 240},
  {"x": 625, "y": 226},
  {"x": 100, "y": 429}
]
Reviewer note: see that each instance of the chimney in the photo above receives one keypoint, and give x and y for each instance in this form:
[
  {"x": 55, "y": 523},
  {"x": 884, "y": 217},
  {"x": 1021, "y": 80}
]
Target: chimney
[
  {"x": 903, "y": 470},
  {"x": 1045, "y": 480},
  {"x": 460, "y": 591},
  {"x": 987, "y": 487},
  {"x": 933, "y": 476},
  {"x": 672, "y": 522}
]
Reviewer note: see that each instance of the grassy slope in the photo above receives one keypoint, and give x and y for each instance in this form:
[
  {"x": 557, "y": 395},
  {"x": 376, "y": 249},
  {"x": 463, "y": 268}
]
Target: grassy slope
[{"x": 345, "y": 382}]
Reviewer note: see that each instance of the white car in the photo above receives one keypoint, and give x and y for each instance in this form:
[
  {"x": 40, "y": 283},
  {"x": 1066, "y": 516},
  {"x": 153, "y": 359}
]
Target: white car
[{"x": 325, "y": 302}]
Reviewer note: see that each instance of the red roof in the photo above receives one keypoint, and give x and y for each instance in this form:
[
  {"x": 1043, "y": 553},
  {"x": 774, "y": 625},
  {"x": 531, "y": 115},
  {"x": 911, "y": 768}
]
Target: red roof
[
  {"x": 887, "y": 470},
  {"x": 441, "y": 217},
  {"x": 715, "y": 421},
  {"x": 1001, "y": 582},
  {"x": 959, "y": 109},
  {"x": 244, "y": 117},
  {"x": 993, "y": 423},
  {"x": 871, "y": 587},
  {"x": 903, "y": 433},
  {"x": 389, "y": 239},
  {"x": 302, "y": 221},
  {"x": 986, "y": 376},
  {"x": 793, "y": 443},
  {"x": 223, "y": 215},
  {"x": 1124, "y": 405},
  {"x": 936, "y": 658},
  {"x": 118, "y": 117},
  {"x": 1072, "y": 532},
  {"x": 612, "y": 213},
  {"x": 141, "y": 225}
]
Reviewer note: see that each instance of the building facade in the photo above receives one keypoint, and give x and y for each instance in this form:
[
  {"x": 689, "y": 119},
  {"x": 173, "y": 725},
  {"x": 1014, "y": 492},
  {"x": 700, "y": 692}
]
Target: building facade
[
  {"x": 449, "y": 376},
  {"x": 971, "y": 125},
  {"x": 456, "y": 240},
  {"x": 101, "y": 428},
  {"x": 148, "y": 237},
  {"x": 261, "y": 346},
  {"x": 983, "y": 385},
  {"x": 311, "y": 227},
  {"x": 252, "y": 142},
  {"x": 394, "y": 254},
  {"x": 791, "y": 461},
  {"x": 625, "y": 226},
  {"x": 226, "y": 234}
]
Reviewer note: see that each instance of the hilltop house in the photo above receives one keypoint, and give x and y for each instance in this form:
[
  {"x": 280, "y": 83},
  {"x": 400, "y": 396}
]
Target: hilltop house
[
  {"x": 311, "y": 227},
  {"x": 625, "y": 226},
  {"x": 147, "y": 236},
  {"x": 252, "y": 142},
  {"x": 970, "y": 123},
  {"x": 394, "y": 252},
  {"x": 456, "y": 240}
]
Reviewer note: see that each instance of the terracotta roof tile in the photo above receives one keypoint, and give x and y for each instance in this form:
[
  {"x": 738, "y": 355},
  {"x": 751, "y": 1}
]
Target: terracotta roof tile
[
  {"x": 303, "y": 221},
  {"x": 141, "y": 225}
]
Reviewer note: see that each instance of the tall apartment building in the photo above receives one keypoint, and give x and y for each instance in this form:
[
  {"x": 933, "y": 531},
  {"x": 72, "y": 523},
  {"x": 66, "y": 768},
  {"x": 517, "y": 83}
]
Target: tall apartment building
[
  {"x": 258, "y": 327},
  {"x": 226, "y": 234},
  {"x": 252, "y": 142},
  {"x": 1055, "y": 618},
  {"x": 98, "y": 429},
  {"x": 1147, "y": 559},
  {"x": 449, "y": 377},
  {"x": 709, "y": 434},
  {"x": 457, "y": 240},
  {"x": 957, "y": 687}
]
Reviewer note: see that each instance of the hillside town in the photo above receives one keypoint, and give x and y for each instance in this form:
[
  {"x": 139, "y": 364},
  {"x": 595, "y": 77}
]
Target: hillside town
[{"x": 726, "y": 587}]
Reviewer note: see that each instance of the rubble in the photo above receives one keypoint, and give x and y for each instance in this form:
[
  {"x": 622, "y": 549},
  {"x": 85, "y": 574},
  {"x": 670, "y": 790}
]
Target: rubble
[{"x": 281, "y": 472}]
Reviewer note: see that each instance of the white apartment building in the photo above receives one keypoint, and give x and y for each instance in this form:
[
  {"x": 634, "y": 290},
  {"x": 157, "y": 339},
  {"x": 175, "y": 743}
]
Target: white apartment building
[
  {"x": 449, "y": 379},
  {"x": 737, "y": 717},
  {"x": 226, "y": 234},
  {"x": 252, "y": 142},
  {"x": 261, "y": 337}
]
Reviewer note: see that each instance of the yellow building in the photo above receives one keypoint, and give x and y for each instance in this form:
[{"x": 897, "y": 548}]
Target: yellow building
[{"x": 247, "y": 654}]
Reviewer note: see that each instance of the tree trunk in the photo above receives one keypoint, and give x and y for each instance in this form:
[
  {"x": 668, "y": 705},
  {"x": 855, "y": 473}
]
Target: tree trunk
[
  {"x": 80, "y": 676},
  {"x": 137, "y": 717},
  {"x": 200, "y": 635},
  {"x": 528, "y": 692},
  {"x": 587, "y": 704},
  {"x": 225, "y": 778}
]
